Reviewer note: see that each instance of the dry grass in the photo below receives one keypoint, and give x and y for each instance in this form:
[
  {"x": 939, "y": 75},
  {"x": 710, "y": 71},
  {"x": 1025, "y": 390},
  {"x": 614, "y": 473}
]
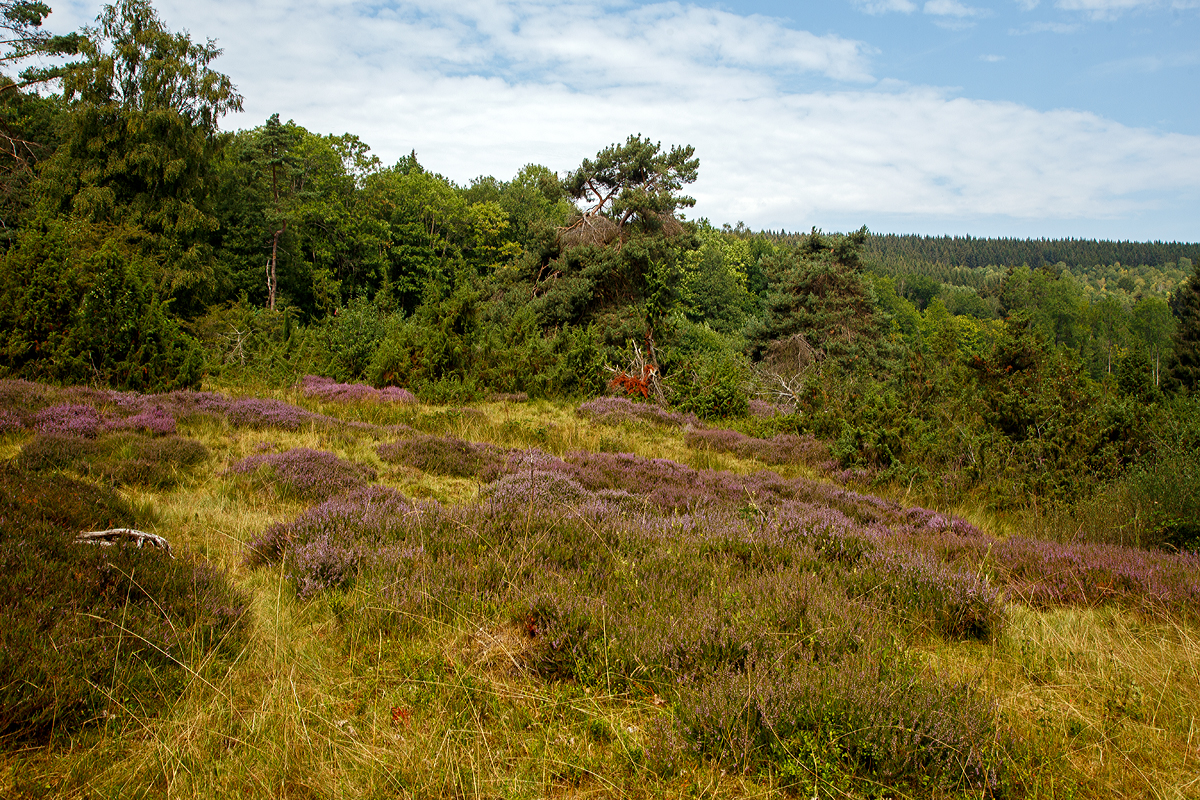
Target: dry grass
[{"x": 1105, "y": 702}]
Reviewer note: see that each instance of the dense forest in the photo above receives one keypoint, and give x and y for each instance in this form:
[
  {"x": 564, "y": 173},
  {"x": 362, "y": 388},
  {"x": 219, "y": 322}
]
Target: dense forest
[{"x": 147, "y": 249}]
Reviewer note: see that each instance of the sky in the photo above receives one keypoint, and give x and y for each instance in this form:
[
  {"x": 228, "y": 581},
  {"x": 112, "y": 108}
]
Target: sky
[{"x": 1022, "y": 118}]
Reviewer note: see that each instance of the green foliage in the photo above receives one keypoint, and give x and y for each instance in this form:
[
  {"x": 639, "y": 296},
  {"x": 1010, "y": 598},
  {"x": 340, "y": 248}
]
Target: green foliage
[
  {"x": 819, "y": 292},
  {"x": 354, "y": 334},
  {"x": 634, "y": 183},
  {"x": 714, "y": 281},
  {"x": 139, "y": 140},
  {"x": 77, "y": 314},
  {"x": 1185, "y": 360},
  {"x": 711, "y": 385},
  {"x": 1166, "y": 488}
]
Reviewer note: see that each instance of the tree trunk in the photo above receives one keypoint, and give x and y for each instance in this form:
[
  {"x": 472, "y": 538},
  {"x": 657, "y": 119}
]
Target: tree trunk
[{"x": 271, "y": 266}]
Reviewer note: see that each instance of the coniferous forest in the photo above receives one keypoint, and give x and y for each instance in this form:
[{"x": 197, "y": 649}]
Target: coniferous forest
[{"x": 360, "y": 370}]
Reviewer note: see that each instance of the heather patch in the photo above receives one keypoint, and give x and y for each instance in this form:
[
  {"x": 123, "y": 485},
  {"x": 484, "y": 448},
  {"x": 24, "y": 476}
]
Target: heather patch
[
  {"x": 819, "y": 726},
  {"x": 445, "y": 455},
  {"x": 68, "y": 418},
  {"x": 96, "y": 634},
  {"x": 157, "y": 462},
  {"x": 535, "y": 487},
  {"x": 331, "y": 543},
  {"x": 58, "y": 501},
  {"x": 330, "y": 390},
  {"x": 254, "y": 412},
  {"x": 23, "y": 398},
  {"x": 618, "y": 410},
  {"x": 677, "y": 487},
  {"x": 956, "y": 602},
  {"x": 683, "y": 604},
  {"x": 153, "y": 420},
  {"x": 185, "y": 403},
  {"x": 303, "y": 473},
  {"x": 10, "y": 422},
  {"x": 762, "y": 409},
  {"x": 782, "y": 448},
  {"x": 1045, "y": 573}
]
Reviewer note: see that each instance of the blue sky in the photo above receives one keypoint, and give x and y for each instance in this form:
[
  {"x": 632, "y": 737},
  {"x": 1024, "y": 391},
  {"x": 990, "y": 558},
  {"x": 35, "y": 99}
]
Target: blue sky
[{"x": 1008, "y": 118}]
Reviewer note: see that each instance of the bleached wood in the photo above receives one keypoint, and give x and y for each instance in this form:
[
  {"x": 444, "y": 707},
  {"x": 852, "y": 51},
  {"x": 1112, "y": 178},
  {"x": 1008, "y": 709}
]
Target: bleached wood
[{"x": 120, "y": 535}]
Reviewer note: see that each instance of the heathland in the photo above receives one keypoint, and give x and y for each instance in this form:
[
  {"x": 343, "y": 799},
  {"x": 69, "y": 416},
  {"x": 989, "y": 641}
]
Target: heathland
[{"x": 371, "y": 596}]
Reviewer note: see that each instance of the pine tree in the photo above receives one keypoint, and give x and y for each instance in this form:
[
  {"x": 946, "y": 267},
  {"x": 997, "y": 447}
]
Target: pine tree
[
  {"x": 1184, "y": 372},
  {"x": 818, "y": 291}
]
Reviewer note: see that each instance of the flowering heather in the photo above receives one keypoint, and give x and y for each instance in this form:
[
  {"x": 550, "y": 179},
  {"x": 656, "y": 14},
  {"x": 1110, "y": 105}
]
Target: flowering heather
[
  {"x": 616, "y": 410},
  {"x": 304, "y": 474},
  {"x": 864, "y": 715},
  {"x": 118, "y": 458},
  {"x": 74, "y": 419},
  {"x": 9, "y": 422},
  {"x": 762, "y": 409},
  {"x": 673, "y": 486},
  {"x": 689, "y": 604},
  {"x": 87, "y": 395},
  {"x": 331, "y": 391},
  {"x": 56, "y": 450},
  {"x": 957, "y": 602},
  {"x": 331, "y": 543},
  {"x": 932, "y": 520},
  {"x": 782, "y": 448},
  {"x": 22, "y": 396},
  {"x": 185, "y": 402},
  {"x": 1048, "y": 573},
  {"x": 537, "y": 487},
  {"x": 153, "y": 420},
  {"x": 445, "y": 455},
  {"x": 255, "y": 412}
]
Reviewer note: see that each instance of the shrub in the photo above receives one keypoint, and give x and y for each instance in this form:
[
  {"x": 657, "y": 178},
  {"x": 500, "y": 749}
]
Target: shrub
[
  {"x": 304, "y": 473},
  {"x": 712, "y": 386}
]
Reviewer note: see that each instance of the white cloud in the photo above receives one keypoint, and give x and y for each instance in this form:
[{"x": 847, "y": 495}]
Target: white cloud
[
  {"x": 1104, "y": 9},
  {"x": 951, "y": 8},
  {"x": 885, "y": 6},
  {"x": 1111, "y": 9},
  {"x": 1044, "y": 27},
  {"x": 990, "y": 58},
  {"x": 486, "y": 87},
  {"x": 953, "y": 14}
]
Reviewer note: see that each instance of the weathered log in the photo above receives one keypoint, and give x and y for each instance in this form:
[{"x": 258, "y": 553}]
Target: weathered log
[{"x": 123, "y": 536}]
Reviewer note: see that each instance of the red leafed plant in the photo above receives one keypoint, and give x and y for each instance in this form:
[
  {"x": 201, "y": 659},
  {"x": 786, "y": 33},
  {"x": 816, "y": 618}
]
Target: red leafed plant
[
  {"x": 631, "y": 384},
  {"x": 641, "y": 378}
]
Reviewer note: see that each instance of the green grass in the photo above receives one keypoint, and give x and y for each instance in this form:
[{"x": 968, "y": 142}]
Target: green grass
[{"x": 1101, "y": 702}]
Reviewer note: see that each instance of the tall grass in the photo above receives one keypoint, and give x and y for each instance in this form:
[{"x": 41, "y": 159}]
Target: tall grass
[{"x": 561, "y": 632}]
